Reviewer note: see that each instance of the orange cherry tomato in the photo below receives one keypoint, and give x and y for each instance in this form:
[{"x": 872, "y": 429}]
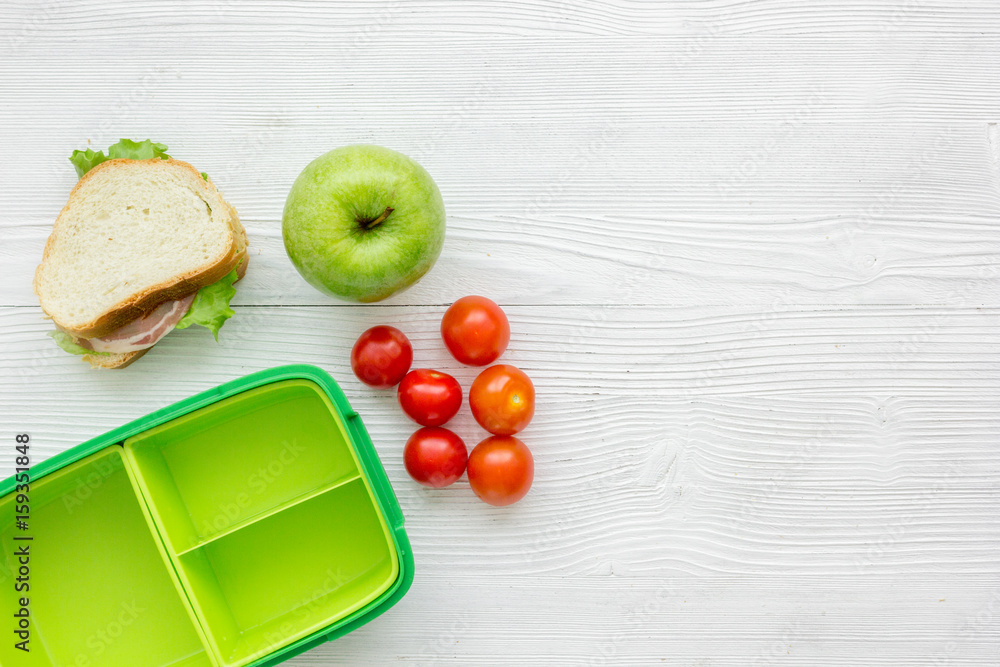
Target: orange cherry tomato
[
  {"x": 501, "y": 470},
  {"x": 475, "y": 330},
  {"x": 502, "y": 399}
]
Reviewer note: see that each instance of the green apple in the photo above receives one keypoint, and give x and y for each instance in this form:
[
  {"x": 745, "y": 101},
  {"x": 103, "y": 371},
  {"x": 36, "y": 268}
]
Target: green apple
[{"x": 363, "y": 222}]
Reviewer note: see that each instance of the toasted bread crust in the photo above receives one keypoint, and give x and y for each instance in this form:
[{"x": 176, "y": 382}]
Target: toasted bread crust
[
  {"x": 145, "y": 302},
  {"x": 114, "y": 360}
]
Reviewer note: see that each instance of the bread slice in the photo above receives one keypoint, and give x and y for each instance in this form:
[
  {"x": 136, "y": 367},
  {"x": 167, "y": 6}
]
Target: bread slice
[
  {"x": 114, "y": 360},
  {"x": 133, "y": 235}
]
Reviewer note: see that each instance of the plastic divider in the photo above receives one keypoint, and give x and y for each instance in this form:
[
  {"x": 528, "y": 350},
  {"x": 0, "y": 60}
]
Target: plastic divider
[
  {"x": 266, "y": 623},
  {"x": 320, "y": 559},
  {"x": 216, "y": 468},
  {"x": 309, "y": 495},
  {"x": 95, "y": 547},
  {"x": 387, "y": 497},
  {"x": 273, "y": 514}
]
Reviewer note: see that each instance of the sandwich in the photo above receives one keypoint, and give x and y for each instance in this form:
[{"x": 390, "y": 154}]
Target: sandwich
[{"x": 145, "y": 245}]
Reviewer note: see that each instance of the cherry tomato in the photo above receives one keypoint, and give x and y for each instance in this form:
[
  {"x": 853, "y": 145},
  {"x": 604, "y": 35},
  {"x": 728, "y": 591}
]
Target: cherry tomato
[
  {"x": 435, "y": 456},
  {"x": 501, "y": 469},
  {"x": 475, "y": 330},
  {"x": 381, "y": 356},
  {"x": 502, "y": 399},
  {"x": 428, "y": 397}
]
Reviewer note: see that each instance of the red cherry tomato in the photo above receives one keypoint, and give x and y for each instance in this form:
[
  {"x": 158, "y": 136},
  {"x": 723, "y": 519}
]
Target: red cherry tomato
[
  {"x": 428, "y": 397},
  {"x": 381, "y": 356},
  {"x": 435, "y": 456},
  {"x": 501, "y": 469},
  {"x": 502, "y": 399},
  {"x": 475, "y": 330}
]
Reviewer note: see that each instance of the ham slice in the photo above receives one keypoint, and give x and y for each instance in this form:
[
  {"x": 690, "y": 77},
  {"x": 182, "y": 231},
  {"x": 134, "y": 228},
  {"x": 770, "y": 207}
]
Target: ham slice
[{"x": 144, "y": 332}]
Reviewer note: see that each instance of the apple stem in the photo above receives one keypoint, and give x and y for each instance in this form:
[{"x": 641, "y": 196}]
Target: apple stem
[{"x": 379, "y": 220}]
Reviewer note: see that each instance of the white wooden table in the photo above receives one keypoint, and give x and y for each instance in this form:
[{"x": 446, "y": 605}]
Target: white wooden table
[{"x": 750, "y": 252}]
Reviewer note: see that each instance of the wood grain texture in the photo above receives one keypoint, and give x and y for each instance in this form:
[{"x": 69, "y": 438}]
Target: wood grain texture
[
  {"x": 834, "y": 214},
  {"x": 713, "y": 621},
  {"x": 393, "y": 19},
  {"x": 749, "y": 250},
  {"x": 772, "y": 79},
  {"x": 838, "y": 170},
  {"x": 691, "y": 441}
]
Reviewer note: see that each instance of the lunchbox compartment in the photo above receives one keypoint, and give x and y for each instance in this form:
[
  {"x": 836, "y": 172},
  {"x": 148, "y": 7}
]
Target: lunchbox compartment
[
  {"x": 222, "y": 466},
  {"x": 289, "y": 573},
  {"x": 236, "y": 528},
  {"x": 102, "y": 590}
]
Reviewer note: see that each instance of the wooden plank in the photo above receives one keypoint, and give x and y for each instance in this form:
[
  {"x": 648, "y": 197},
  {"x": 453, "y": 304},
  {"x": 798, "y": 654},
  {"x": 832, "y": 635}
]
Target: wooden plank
[
  {"x": 696, "y": 215},
  {"x": 708, "y": 621},
  {"x": 368, "y": 22},
  {"x": 830, "y": 214},
  {"x": 700, "y": 440},
  {"x": 857, "y": 78}
]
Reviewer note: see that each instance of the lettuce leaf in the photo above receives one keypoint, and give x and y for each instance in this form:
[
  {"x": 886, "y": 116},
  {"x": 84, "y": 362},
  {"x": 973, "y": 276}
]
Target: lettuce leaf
[
  {"x": 86, "y": 160},
  {"x": 138, "y": 150},
  {"x": 210, "y": 307},
  {"x": 69, "y": 344}
]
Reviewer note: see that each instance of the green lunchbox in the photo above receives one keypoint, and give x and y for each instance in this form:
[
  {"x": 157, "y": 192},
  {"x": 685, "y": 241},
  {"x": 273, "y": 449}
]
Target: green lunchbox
[{"x": 241, "y": 526}]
